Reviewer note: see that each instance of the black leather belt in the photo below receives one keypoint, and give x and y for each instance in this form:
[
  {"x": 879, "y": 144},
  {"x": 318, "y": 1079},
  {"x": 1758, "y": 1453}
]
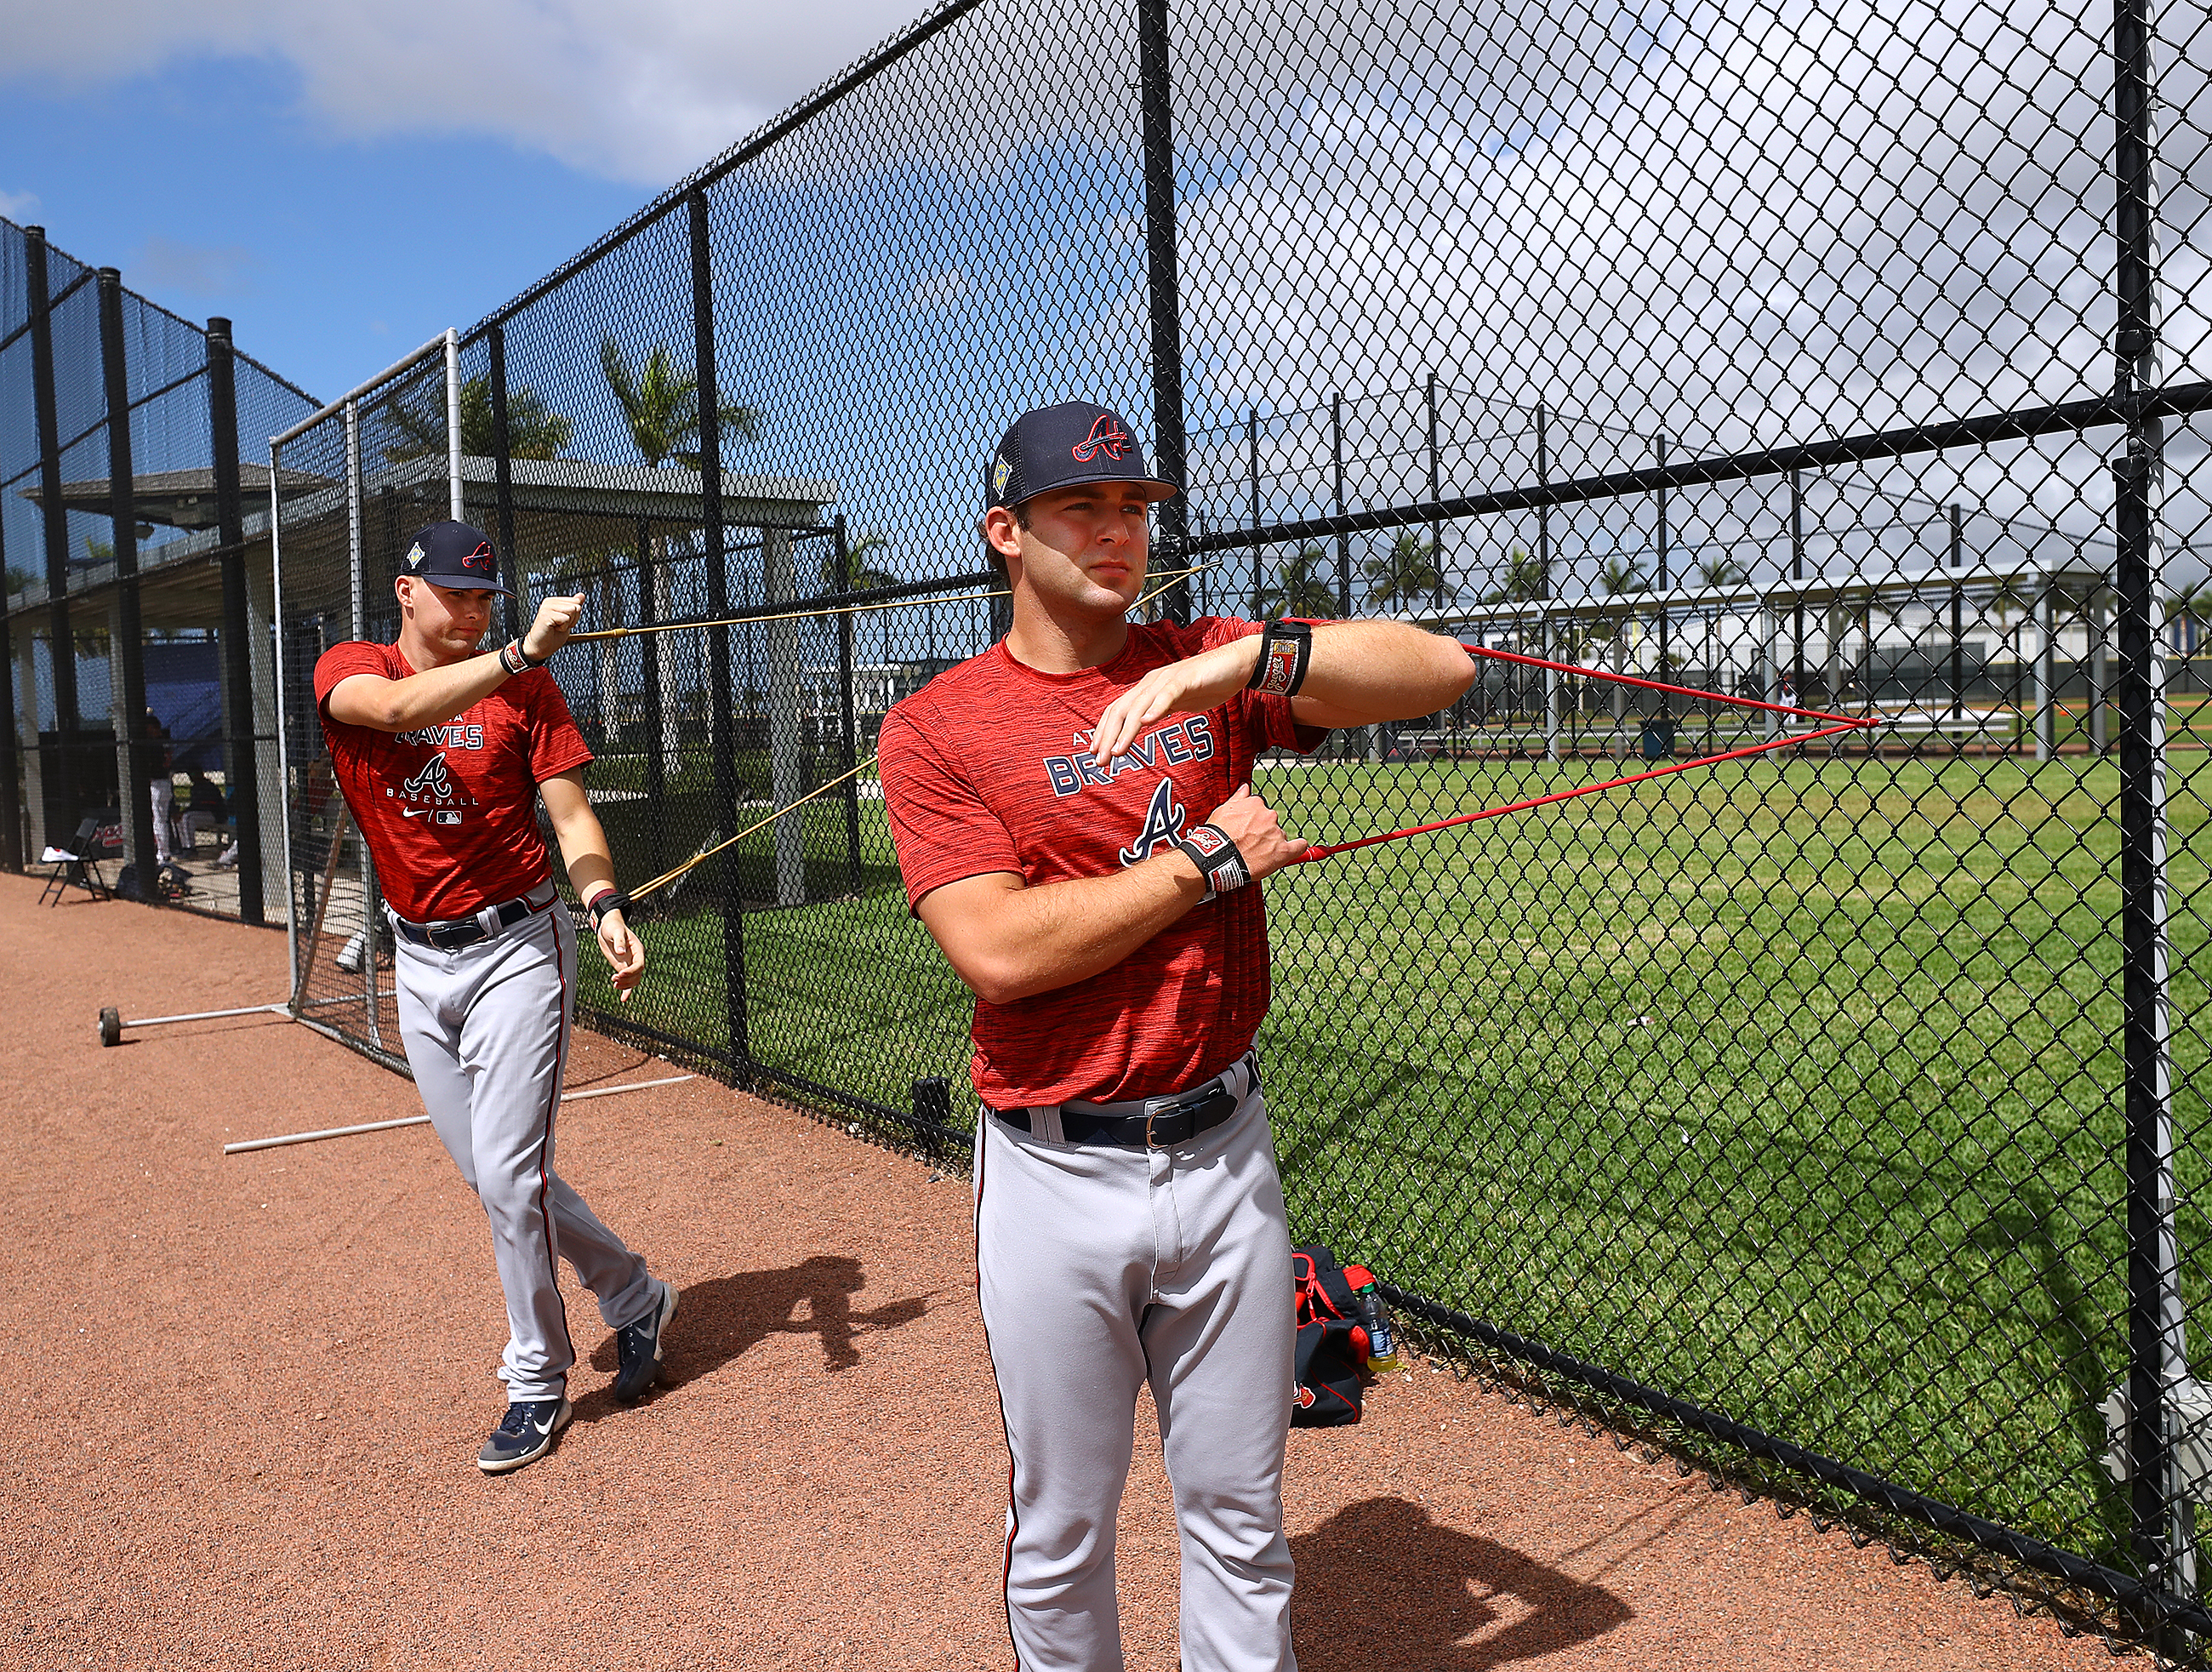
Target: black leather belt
[
  {"x": 464, "y": 930},
  {"x": 1156, "y": 1122}
]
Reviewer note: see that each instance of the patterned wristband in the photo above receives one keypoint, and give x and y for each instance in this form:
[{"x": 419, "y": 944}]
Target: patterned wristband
[
  {"x": 1209, "y": 849},
  {"x": 1285, "y": 651},
  {"x": 606, "y": 900}
]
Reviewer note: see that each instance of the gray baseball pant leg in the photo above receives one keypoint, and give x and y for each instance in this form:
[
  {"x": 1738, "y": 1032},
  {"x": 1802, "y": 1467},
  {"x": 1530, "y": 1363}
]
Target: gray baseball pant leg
[
  {"x": 486, "y": 1028},
  {"x": 1102, "y": 1268}
]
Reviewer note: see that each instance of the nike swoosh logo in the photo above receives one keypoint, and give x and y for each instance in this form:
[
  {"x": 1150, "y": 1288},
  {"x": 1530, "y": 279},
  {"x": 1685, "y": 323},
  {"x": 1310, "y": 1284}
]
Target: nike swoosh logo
[
  {"x": 413, "y": 812},
  {"x": 544, "y": 1427}
]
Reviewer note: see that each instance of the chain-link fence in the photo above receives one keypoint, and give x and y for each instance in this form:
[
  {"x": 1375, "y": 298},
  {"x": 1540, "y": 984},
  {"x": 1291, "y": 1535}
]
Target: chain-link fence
[
  {"x": 138, "y": 590},
  {"x": 1843, "y": 1107}
]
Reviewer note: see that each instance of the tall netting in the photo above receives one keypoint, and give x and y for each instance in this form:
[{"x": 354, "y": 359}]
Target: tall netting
[{"x": 153, "y": 588}]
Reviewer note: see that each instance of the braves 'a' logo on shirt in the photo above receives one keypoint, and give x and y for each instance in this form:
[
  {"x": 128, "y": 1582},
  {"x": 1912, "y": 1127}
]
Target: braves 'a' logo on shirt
[
  {"x": 1178, "y": 745},
  {"x": 1163, "y": 825},
  {"x": 431, "y": 780}
]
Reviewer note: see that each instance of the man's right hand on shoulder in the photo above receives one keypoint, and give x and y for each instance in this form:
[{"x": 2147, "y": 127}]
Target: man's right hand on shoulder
[
  {"x": 556, "y": 619},
  {"x": 1251, "y": 823}
]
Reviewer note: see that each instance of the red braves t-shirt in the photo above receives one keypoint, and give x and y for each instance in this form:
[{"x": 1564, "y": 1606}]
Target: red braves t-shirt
[
  {"x": 450, "y": 812},
  {"x": 987, "y": 768}
]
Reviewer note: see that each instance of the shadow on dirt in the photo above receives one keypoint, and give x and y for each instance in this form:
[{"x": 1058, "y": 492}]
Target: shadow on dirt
[
  {"x": 724, "y": 1317},
  {"x": 1381, "y": 1587}
]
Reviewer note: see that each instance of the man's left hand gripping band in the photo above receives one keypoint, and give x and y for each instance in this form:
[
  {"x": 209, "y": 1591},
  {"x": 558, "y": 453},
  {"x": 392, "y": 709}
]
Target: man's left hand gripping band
[{"x": 1217, "y": 859}]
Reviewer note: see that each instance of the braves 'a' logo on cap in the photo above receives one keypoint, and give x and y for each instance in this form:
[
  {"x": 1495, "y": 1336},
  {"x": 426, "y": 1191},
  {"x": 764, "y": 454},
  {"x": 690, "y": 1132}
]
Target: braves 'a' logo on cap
[
  {"x": 1106, "y": 436},
  {"x": 482, "y": 558}
]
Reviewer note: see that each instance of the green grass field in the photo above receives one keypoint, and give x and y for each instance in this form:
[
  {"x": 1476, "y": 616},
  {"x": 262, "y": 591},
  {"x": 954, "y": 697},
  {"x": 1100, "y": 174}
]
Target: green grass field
[{"x": 1791, "y": 1088}]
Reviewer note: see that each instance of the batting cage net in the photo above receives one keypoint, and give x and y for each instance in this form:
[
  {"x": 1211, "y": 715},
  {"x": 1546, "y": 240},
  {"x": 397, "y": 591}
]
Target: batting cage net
[
  {"x": 137, "y": 731},
  {"x": 1810, "y": 400}
]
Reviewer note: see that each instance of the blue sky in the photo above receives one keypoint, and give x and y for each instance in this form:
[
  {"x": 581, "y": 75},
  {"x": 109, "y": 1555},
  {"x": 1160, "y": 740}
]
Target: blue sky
[{"x": 343, "y": 195}]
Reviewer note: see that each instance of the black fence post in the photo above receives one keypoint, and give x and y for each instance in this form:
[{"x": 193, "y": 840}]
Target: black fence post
[
  {"x": 656, "y": 720},
  {"x": 54, "y": 522},
  {"x": 1436, "y": 494},
  {"x": 1169, "y": 444},
  {"x": 11, "y": 800},
  {"x": 1666, "y": 615},
  {"x": 1797, "y": 698},
  {"x": 846, "y": 716},
  {"x": 718, "y": 639},
  {"x": 1343, "y": 537},
  {"x": 502, "y": 464},
  {"x": 1258, "y": 573},
  {"x": 129, "y": 648},
  {"x": 1958, "y": 615},
  {"x": 241, "y": 749},
  {"x": 2160, "y": 1519}
]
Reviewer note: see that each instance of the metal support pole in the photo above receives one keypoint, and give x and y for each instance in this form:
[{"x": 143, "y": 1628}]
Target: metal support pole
[
  {"x": 54, "y": 519},
  {"x": 135, "y": 757},
  {"x": 1156, "y": 124},
  {"x": 1797, "y": 576},
  {"x": 2161, "y": 1527},
  {"x": 1958, "y": 616},
  {"x": 502, "y": 464},
  {"x": 454, "y": 425},
  {"x": 1343, "y": 539},
  {"x": 2097, "y": 616},
  {"x": 11, "y": 802},
  {"x": 1554, "y": 687},
  {"x": 1666, "y": 579},
  {"x": 656, "y": 719},
  {"x": 1259, "y": 574},
  {"x": 1436, "y": 493},
  {"x": 283, "y": 750},
  {"x": 357, "y": 580},
  {"x": 849, "y": 755},
  {"x": 718, "y": 639},
  {"x": 241, "y": 767}
]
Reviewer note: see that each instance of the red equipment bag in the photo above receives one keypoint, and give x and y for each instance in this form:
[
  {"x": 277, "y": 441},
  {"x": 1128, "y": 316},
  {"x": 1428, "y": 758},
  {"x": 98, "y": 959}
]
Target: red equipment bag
[{"x": 1333, "y": 1345}]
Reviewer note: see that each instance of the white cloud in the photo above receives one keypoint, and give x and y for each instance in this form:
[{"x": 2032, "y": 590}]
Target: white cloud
[
  {"x": 939, "y": 289},
  {"x": 17, "y": 204},
  {"x": 644, "y": 92}
]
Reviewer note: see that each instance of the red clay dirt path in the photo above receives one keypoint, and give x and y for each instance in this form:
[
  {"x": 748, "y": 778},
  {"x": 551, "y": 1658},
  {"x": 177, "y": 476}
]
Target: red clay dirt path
[{"x": 246, "y": 1393}]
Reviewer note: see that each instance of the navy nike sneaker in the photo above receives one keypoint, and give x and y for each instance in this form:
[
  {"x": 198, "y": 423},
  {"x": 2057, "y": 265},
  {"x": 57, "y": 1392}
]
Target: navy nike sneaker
[
  {"x": 637, "y": 1348},
  {"x": 524, "y": 1435}
]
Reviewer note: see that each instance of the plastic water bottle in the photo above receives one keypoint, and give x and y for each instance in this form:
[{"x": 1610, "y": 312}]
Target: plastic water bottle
[{"x": 1381, "y": 1345}]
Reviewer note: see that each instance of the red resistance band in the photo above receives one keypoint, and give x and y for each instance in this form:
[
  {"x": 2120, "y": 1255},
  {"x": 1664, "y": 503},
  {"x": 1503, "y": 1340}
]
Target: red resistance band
[{"x": 1837, "y": 723}]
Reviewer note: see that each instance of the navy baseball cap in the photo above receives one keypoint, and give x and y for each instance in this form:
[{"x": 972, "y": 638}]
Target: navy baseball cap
[
  {"x": 1059, "y": 447},
  {"x": 453, "y": 554}
]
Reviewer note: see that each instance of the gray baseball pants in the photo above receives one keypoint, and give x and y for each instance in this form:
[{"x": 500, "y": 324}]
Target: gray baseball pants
[
  {"x": 486, "y": 1028},
  {"x": 1102, "y": 1269}
]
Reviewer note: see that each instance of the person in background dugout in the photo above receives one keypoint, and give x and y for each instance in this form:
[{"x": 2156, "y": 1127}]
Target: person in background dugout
[
  {"x": 160, "y": 777},
  {"x": 443, "y": 753}
]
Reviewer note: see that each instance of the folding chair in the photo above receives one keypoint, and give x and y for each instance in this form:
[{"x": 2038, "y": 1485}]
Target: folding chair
[{"x": 78, "y": 864}]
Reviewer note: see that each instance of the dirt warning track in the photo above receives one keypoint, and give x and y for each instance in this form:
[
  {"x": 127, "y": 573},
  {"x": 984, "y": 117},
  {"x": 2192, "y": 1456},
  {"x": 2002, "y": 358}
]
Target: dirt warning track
[{"x": 248, "y": 1393}]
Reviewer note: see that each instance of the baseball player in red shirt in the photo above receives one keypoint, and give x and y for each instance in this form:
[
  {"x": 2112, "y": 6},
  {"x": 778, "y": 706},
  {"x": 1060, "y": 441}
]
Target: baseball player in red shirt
[
  {"x": 443, "y": 755},
  {"x": 1076, "y": 828}
]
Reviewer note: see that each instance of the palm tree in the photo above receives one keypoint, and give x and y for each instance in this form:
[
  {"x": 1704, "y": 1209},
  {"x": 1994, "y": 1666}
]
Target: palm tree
[
  {"x": 1528, "y": 578},
  {"x": 1304, "y": 592},
  {"x": 660, "y": 404},
  {"x": 534, "y": 430},
  {"x": 1721, "y": 571},
  {"x": 860, "y": 575},
  {"x": 1406, "y": 573}
]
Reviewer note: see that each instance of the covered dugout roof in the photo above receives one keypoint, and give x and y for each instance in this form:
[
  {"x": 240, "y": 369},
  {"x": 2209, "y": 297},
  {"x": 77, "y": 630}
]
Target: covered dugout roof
[{"x": 561, "y": 505}]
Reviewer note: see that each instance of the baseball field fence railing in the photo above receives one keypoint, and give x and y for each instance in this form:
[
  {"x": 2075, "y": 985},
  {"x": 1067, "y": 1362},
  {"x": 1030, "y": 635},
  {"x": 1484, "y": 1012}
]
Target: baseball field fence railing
[{"x": 1835, "y": 1115}]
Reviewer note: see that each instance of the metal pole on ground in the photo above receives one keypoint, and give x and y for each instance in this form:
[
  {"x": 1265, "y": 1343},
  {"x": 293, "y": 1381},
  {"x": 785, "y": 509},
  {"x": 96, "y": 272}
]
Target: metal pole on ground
[
  {"x": 241, "y": 767},
  {"x": 283, "y": 752},
  {"x": 718, "y": 639},
  {"x": 1958, "y": 616},
  {"x": 848, "y": 755},
  {"x": 133, "y": 749},
  {"x": 1164, "y": 287}
]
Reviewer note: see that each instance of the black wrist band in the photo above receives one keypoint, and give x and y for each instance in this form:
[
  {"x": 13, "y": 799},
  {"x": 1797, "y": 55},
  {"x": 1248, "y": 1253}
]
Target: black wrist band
[
  {"x": 1209, "y": 848},
  {"x": 1285, "y": 651},
  {"x": 600, "y": 904}
]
